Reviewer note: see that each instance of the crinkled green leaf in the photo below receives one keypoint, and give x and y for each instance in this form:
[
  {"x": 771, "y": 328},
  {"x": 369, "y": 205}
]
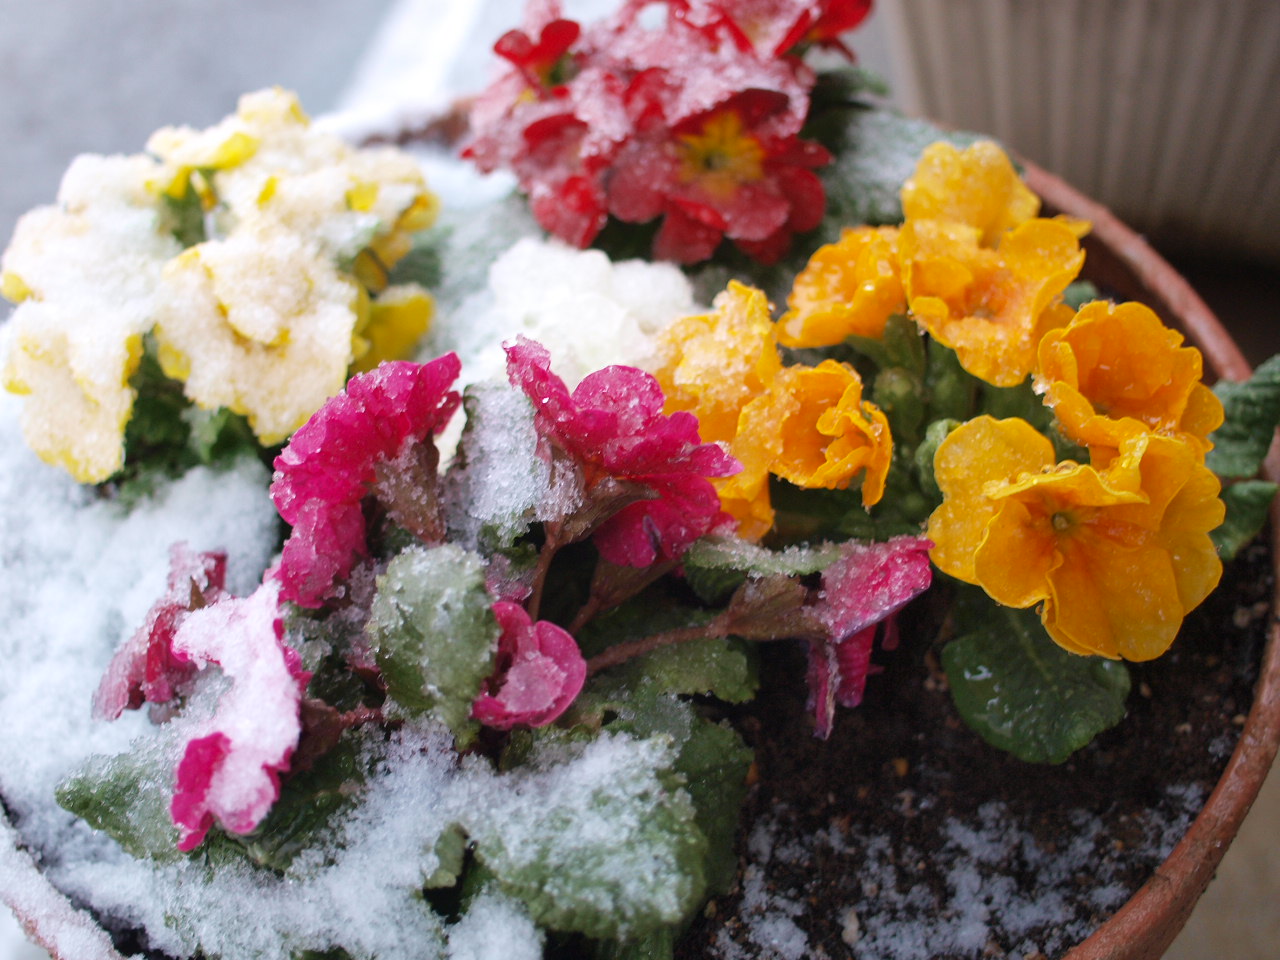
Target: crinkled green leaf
[
  {"x": 1024, "y": 694},
  {"x": 726, "y": 553},
  {"x": 899, "y": 392},
  {"x": 1252, "y": 411},
  {"x": 127, "y": 797},
  {"x": 876, "y": 150},
  {"x": 451, "y": 854},
  {"x": 1248, "y": 504},
  {"x": 721, "y": 667},
  {"x": 594, "y": 838},
  {"x": 714, "y": 762},
  {"x": 433, "y": 632}
]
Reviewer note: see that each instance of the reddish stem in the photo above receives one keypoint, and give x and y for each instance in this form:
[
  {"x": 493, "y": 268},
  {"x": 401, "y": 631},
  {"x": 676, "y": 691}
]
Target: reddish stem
[
  {"x": 545, "y": 556},
  {"x": 623, "y": 652}
]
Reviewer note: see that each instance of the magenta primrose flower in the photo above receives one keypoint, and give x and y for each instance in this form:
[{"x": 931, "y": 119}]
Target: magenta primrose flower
[
  {"x": 540, "y": 671},
  {"x": 145, "y": 669},
  {"x": 612, "y": 427},
  {"x": 863, "y": 589},
  {"x": 230, "y": 774},
  {"x": 322, "y": 476}
]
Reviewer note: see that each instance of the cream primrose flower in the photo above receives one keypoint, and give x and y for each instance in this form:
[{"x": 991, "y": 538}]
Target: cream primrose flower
[
  {"x": 274, "y": 325},
  {"x": 303, "y": 230},
  {"x": 84, "y": 274},
  {"x": 260, "y": 323}
]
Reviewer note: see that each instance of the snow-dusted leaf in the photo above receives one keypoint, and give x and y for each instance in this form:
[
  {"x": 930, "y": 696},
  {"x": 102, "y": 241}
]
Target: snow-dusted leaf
[
  {"x": 433, "y": 633},
  {"x": 592, "y": 840}
]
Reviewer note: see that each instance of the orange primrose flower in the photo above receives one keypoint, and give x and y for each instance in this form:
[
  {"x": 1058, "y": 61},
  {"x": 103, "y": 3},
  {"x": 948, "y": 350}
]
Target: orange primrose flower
[
  {"x": 848, "y": 288},
  {"x": 828, "y": 434},
  {"x": 976, "y": 186},
  {"x": 1117, "y": 370},
  {"x": 990, "y": 306},
  {"x": 713, "y": 365},
  {"x": 1116, "y": 557}
]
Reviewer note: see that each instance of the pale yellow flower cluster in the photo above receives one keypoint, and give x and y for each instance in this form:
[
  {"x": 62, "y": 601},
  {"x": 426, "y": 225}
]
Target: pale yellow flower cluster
[{"x": 265, "y": 315}]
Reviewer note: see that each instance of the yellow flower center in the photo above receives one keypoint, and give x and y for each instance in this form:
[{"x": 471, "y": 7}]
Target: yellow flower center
[{"x": 721, "y": 157}]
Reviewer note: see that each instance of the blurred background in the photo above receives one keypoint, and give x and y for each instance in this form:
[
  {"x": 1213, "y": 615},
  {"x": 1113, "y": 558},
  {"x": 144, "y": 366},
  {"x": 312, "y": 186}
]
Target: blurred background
[{"x": 1163, "y": 109}]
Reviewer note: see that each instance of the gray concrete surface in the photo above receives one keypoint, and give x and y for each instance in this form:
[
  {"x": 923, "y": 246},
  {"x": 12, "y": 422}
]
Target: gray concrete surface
[{"x": 99, "y": 75}]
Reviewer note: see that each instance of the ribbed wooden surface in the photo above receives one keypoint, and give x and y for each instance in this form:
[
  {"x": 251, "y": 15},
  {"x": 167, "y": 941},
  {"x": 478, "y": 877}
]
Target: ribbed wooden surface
[{"x": 1164, "y": 110}]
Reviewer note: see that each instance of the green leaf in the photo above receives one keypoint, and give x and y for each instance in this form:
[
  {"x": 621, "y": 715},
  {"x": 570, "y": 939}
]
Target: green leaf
[
  {"x": 434, "y": 633},
  {"x": 593, "y": 839},
  {"x": 952, "y": 390},
  {"x": 421, "y": 265},
  {"x": 1252, "y": 411},
  {"x": 720, "y": 667},
  {"x": 658, "y": 945},
  {"x": 934, "y": 434},
  {"x": 1024, "y": 694},
  {"x": 876, "y": 150},
  {"x": 127, "y": 797},
  {"x": 714, "y": 762},
  {"x": 183, "y": 217},
  {"x": 731, "y": 554},
  {"x": 1248, "y": 503},
  {"x": 309, "y": 803},
  {"x": 1079, "y": 293}
]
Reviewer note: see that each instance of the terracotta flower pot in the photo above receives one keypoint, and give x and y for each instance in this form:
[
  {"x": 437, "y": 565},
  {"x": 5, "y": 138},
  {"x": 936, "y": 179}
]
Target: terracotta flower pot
[{"x": 1121, "y": 261}]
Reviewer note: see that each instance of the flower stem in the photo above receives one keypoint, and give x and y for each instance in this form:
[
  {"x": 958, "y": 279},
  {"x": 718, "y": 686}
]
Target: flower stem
[
  {"x": 549, "y": 547},
  {"x": 623, "y": 652}
]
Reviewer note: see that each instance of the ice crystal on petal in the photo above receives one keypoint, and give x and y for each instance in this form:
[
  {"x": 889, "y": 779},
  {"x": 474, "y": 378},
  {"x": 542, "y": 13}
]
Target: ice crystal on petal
[
  {"x": 329, "y": 464},
  {"x": 540, "y": 672},
  {"x": 229, "y": 773},
  {"x": 612, "y": 428},
  {"x": 145, "y": 668}
]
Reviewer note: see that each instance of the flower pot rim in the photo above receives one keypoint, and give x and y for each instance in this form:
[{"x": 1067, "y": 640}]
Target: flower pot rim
[{"x": 1149, "y": 921}]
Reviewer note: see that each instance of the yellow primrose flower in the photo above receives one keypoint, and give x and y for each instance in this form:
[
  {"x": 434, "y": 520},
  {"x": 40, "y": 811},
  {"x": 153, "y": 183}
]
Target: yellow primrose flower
[
  {"x": 390, "y": 326},
  {"x": 990, "y": 306},
  {"x": 260, "y": 323},
  {"x": 1116, "y": 557},
  {"x": 828, "y": 433},
  {"x": 1117, "y": 370},
  {"x": 848, "y": 288},
  {"x": 85, "y": 273},
  {"x": 976, "y": 186}
]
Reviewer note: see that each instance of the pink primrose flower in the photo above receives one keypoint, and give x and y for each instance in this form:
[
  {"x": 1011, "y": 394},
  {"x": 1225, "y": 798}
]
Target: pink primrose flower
[
  {"x": 539, "y": 672},
  {"x": 229, "y": 773},
  {"x": 146, "y": 668},
  {"x": 324, "y": 473},
  {"x": 867, "y": 585},
  {"x": 612, "y": 426}
]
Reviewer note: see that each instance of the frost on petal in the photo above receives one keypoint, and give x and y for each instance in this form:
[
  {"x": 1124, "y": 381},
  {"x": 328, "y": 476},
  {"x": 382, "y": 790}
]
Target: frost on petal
[
  {"x": 868, "y": 584},
  {"x": 229, "y": 772},
  {"x": 145, "y": 668},
  {"x": 329, "y": 464},
  {"x": 614, "y": 431},
  {"x": 540, "y": 672}
]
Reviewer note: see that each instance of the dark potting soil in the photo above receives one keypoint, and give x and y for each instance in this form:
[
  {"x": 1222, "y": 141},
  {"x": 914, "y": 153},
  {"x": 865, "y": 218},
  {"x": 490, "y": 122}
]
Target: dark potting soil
[{"x": 906, "y": 837}]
